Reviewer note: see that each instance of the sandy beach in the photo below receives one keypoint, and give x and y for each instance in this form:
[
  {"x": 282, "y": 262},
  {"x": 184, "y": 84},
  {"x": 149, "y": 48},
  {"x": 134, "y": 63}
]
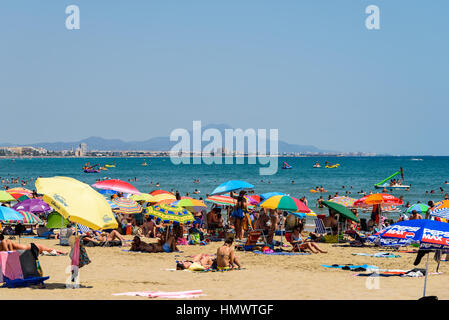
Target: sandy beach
[{"x": 264, "y": 277}]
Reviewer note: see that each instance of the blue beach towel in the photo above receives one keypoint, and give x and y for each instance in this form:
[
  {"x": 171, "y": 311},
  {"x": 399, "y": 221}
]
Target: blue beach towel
[
  {"x": 17, "y": 283},
  {"x": 350, "y": 267}
]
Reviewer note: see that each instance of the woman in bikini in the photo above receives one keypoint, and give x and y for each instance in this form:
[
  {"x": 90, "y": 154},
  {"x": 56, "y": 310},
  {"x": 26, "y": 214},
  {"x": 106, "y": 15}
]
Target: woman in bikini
[
  {"x": 205, "y": 260},
  {"x": 240, "y": 209},
  {"x": 300, "y": 244},
  {"x": 226, "y": 258}
]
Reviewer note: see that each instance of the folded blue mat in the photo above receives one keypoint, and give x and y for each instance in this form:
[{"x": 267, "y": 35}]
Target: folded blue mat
[
  {"x": 283, "y": 253},
  {"x": 17, "y": 283}
]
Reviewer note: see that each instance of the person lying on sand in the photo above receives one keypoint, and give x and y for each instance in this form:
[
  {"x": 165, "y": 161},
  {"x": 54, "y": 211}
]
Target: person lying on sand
[
  {"x": 8, "y": 245},
  {"x": 139, "y": 245},
  {"x": 103, "y": 237},
  {"x": 203, "y": 259},
  {"x": 300, "y": 244},
  {"x": 226, "y": 258}
]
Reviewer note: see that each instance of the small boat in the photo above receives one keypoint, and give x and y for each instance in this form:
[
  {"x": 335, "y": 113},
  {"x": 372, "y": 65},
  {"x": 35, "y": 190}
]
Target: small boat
[
  {"x": 396, "y": 185},
  {"x": 285, "y": 165}
]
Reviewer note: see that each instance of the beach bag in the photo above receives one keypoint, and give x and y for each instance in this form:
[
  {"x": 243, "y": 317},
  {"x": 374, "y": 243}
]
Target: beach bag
[{"x": 195, "y": 238}]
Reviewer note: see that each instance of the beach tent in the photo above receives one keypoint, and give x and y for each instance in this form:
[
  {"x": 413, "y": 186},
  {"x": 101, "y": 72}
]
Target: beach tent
[{"x": 56, "y": 221}]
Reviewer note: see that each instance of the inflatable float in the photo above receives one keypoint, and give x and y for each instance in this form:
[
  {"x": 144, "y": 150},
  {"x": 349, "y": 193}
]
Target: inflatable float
[{"x": 333, "y": 166}]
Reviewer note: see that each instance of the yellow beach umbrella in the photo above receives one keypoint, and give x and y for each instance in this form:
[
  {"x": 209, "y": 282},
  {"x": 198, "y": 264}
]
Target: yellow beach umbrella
[
  {"x": 145, "y": 197},
  {"x": 163, "y": 197},
  {"x": 77, "y": 202}
]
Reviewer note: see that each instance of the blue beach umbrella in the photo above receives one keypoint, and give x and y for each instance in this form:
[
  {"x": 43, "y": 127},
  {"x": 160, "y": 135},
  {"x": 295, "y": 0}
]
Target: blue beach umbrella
[
  {"x": 232, "y": 185},
  {"x": 267, "y": 195},
  {"x": 107, "y": 192},
  {"x": 8, "y": 214},
  {"x": 433, "y": 235}
]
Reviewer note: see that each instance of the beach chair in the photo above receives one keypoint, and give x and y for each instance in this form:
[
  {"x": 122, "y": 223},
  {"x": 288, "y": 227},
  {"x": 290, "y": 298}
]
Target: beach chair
[
  {"x": 64, "y": 236},
  {"x": 320, "y": 228},
  {"x": 252, "y": 240}
]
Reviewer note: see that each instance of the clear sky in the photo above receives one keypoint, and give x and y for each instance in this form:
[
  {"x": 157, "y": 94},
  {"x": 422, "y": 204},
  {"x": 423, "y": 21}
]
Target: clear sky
[{"x": 138, "y": 69}]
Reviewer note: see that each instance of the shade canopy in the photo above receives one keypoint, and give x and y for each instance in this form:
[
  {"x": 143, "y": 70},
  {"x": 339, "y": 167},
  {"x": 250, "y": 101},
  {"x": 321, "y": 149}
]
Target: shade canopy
[
  {"x": 232, "y": 185},
  {"x": 285, "y": 203},
  {"x": 6, "y": 197},
  {"x": 116, "y": 185},
  {"x": 77, "y": 202},
  {"x": 341, "y": 209},
  {"x": 170, "y": 214},
  {"x": 56, "y": 221},
  {"x": 33, "y": 205},
  {"x": 10, "y": 215},
  {"x": 378, "y": 198}
]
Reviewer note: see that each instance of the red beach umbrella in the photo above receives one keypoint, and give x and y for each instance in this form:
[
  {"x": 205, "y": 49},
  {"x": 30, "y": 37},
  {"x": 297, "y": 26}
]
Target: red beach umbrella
[{"x": 116, "y": 185}]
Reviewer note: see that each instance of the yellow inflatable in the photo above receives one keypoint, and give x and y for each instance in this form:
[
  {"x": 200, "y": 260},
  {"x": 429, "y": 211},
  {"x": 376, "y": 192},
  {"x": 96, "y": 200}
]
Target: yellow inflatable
[{"x": 333, "y": 166}]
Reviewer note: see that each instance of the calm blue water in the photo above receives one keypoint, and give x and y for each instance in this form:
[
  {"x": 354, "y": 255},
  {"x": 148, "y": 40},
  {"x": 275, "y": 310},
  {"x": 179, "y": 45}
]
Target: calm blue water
[{"x": 359, "y": 172}]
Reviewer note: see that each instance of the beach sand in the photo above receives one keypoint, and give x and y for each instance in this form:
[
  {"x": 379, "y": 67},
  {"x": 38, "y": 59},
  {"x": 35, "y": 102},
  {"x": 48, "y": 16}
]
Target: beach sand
[{"x": 264, "y": 277}]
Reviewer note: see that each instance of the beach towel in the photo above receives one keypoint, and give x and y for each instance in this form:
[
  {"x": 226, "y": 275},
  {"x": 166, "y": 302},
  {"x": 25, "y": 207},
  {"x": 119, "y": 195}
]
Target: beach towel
[
  {"x": 282, "y": 253},
  {"x": 414, "y": 273},
  {"x": 10, "y": 265},
  {"x": 52, "y": 253},
  {"x": 378, "y": 255},
  {"x": 363, "y": 267},
  {"x": 163, "y": 294},
  {"x": 17, "y": 283}
]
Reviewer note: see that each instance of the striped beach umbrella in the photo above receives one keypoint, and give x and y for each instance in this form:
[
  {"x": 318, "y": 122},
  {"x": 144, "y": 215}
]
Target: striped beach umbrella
[
  {"x": 127, "y": 206},
  {"x": 30, "y": 218},
  {"x": 285, "y": 203},
  {"x": 170, "y": 214},
  {"x": 16, "y": 193},
  {"x": 221, "y": 200}
]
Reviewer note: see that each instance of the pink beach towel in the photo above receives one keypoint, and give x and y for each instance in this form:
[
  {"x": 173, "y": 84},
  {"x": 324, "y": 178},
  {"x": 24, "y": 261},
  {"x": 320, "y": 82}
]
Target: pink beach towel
[
  {"x": 76, "y": 253},
  {"x": 10, "y": 265},
  {"x": 163, "y": 294}
]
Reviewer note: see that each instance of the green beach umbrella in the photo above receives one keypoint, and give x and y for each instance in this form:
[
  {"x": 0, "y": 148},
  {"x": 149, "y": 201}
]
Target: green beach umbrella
[
  {"x": 6, "y": 197},
  {"x": 419, "y": 207},
  {"x": 56, "y": 221},
  {"x": 345, "y": 212}
]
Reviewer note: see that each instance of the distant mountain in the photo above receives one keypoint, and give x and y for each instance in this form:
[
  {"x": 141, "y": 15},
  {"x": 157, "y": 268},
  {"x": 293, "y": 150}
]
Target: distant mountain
[{"x": 155, "y": 144}]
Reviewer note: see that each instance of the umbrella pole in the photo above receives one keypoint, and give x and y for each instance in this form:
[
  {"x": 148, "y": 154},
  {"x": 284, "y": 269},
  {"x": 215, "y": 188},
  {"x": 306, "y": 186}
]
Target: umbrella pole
[{"x": 425, "y": 279}]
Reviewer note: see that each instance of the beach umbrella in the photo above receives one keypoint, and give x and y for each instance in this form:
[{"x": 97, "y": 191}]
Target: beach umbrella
[
  {"x": 30, "y": 218},
  {"x": 285, "y": 203},
  {"x": 377, "y": 198},
  {"x": 253, "y": 199},
  {"x": 56, "y": 221},
  {"x": 106, "y": 192},
  {"x": 116, "y": 185},
  {"x": 419, "y": 207},
  {"x": 341, "y": 209},
  {"x": 16, "y": 193},
  {"x": 6, "y": 197},
  {"x": 156, "y": 192},
  {"x": 170, "y": 214},
  {"x": 221, "y": 200},
  {"x": 232, "y": 185},
  {"x": 77, "y": 202},
  {"x": 192, "y": 205},
  {"x": 267, "y": 195},
  {"x": 145, "y": 197},
  {"x": 343, "y": 200},
  {"x": 127, "y": 206},
  {"x": 10, "y": 215},
  {"x": 432, "y": 235},
  {"x": 32, "y": 205},
  {"x": 24, "y": 197},
  {"x": 440, "y": 210},
  {"x": 163, "y": 197},
  {"x": 303, "y": 215},
  {"x": 112, "y": 204}
]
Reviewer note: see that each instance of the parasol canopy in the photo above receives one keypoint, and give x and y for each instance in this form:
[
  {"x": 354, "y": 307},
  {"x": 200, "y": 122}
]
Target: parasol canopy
[
  {"x": 232, "y": 185},
  {"x": 116, "y": 185},
  {"x": 170, "y": 214},
  {"x": 32, "y": 205},
  {"x": 126, "y": 206},
  {"x": 285, "y": 203},
  {"x": 77, "y": 201},
  {"x": 341, "y": 209}
]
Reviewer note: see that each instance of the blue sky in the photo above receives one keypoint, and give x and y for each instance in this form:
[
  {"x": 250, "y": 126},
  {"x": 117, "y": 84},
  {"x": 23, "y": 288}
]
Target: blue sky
[{"x": 138, "y": 69}]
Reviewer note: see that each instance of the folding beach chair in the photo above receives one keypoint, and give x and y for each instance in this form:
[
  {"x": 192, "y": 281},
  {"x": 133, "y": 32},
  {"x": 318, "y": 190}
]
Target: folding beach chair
[
  {"x": 64, "y": 236},
  {"x": 320, "y": 228}
]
